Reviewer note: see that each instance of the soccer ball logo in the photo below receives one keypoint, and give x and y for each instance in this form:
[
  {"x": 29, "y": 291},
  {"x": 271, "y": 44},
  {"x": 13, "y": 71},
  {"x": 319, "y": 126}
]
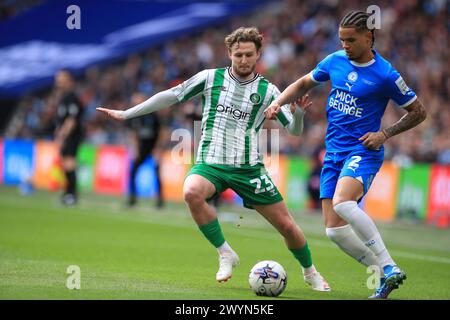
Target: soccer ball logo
[{"x": 268, "y": 278}]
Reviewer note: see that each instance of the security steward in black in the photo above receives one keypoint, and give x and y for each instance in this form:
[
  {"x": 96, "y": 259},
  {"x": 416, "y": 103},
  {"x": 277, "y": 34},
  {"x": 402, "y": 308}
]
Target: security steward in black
[{"x": 68, "y": 133}]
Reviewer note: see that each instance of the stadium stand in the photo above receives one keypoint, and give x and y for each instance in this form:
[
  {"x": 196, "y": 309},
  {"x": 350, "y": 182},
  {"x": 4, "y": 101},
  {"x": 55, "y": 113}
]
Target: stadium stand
[{"x": 297, "y": 36}]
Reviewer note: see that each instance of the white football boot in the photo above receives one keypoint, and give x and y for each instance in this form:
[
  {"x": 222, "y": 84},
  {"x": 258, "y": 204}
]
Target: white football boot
[
  {"x": 227, "y": 261},
  {"x": 317, "y": 282}
]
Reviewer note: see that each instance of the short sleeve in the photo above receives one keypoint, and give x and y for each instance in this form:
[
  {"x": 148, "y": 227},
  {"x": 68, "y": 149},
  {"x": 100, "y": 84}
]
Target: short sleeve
[
  {"x": 321, "y": 72},
  {"x": 398, "y": 91},
  {"x": 191, "y": 87},
  {"x": 284, "y": 117}
]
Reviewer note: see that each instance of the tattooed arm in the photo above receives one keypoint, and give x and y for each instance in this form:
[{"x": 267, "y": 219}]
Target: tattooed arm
[{"x": 416, "y": 114}]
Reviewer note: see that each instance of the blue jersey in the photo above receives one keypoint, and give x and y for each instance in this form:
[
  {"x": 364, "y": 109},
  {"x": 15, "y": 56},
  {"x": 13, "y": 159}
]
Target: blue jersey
[{"x": 358, "y": 97}]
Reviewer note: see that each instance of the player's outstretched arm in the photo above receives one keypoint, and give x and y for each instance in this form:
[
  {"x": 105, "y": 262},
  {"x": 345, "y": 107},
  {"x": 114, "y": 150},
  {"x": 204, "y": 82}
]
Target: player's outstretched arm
[
  {"x": 298, "y": 110},
  {"x": 159, "y": 101},
  {"x": 115, "y": 114},
  {"x": 292, "y": 93},
  {"x": 416, "y": 114}
]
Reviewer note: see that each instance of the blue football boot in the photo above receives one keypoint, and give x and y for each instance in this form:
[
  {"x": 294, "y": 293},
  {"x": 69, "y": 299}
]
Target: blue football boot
[
  {"x": 392, "y": 280},
  {"x": 394, "y": 276}
]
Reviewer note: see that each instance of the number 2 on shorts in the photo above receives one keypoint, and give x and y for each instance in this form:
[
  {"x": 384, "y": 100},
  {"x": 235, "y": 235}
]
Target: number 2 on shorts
[{"x": 353, "y": 165}]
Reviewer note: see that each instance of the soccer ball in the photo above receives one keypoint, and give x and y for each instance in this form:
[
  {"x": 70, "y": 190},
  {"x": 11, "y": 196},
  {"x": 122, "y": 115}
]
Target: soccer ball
[{"x": 268, "y": 278}]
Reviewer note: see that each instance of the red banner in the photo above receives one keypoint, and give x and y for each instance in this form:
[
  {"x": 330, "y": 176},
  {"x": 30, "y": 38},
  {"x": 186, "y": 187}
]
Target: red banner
[
  {"x": 111, "y": 170},
  {"x": 439, "y": 202}
]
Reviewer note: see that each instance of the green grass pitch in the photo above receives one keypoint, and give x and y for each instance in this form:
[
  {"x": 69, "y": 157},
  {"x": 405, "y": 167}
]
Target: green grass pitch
[{"x": 143, "y": 253}]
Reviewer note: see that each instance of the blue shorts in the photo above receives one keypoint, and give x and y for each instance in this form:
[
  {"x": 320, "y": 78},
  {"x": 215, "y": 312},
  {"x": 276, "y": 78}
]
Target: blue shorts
[{"x": 362, "y": 165}]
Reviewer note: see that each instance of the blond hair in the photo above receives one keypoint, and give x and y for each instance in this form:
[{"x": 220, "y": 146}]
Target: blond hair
[{"x": 242, "y": 34}]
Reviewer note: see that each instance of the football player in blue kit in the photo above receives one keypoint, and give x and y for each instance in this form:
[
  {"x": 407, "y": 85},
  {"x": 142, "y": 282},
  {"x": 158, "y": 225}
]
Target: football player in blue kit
[{"x": 362, "y": 82}]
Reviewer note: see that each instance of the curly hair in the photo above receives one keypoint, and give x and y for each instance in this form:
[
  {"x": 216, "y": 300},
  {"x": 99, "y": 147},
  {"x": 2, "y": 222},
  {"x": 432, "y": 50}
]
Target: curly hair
[{"x": 244, "y": 35}]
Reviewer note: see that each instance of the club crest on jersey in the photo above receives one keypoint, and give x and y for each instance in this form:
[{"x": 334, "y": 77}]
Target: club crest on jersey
[
  {"x": 255, "y": 98},
  {"x": 352, "y": 76}
]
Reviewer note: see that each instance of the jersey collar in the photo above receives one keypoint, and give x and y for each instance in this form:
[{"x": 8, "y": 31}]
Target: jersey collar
[
  {"x": 242, "y": 82},
  {"x": 365, "y": 64}
]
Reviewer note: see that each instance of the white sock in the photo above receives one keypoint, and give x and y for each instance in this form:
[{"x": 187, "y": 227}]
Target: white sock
[
  {"x": 351, "y": 244},
  {"x": 309, "y": 270},
  {"x": 366, "y": 230},
  {"x": 224, "y": 249}
]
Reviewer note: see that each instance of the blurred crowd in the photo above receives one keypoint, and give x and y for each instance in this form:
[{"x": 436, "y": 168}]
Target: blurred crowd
[
  {"x": 414, "y": 37},
  {"x": 10, "y": 8}
]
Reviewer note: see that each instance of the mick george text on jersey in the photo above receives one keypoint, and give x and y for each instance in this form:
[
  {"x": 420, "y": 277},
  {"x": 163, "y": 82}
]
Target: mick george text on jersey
[{"x": 345, "y": 103}]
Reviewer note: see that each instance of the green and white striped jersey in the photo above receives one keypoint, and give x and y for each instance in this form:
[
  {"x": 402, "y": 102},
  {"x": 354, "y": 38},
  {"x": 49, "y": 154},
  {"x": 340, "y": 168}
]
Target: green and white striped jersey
[{"x": 232, "y": 115}]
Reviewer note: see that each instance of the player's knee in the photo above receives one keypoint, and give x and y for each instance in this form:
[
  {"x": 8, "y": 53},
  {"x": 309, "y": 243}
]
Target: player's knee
[
  {"x": 344, "y": 209},
  {"x": 338, "y": 200},
  {"x": 336, "y": 234},
  {"x": 192, "y": 196}
]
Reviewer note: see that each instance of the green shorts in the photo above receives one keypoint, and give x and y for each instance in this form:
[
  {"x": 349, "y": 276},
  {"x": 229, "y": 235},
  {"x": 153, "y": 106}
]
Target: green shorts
[{"x": 251, "y": 183}]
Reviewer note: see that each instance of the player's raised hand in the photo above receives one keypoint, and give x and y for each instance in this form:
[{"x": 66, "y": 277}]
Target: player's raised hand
[
  {"x": 304, "y": 103},
  {"x": 271, "y": 112},
  {"x": 115, "y": 114},
  {"x": 373, "y": 140}
]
